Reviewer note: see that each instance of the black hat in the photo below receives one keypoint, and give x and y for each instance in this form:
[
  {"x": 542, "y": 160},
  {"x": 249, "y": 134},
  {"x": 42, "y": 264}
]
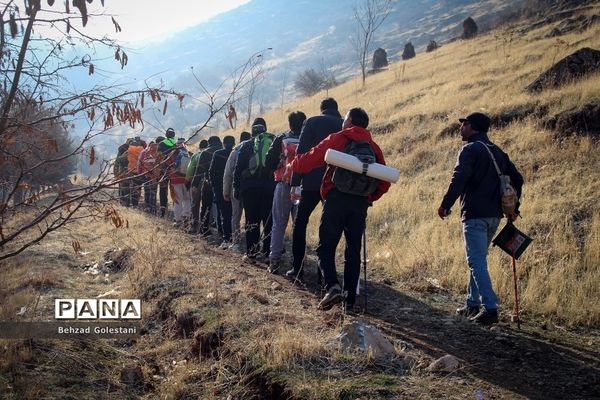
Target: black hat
[
  {"x": 479, "y": 121},
  {"x": 214, "y": 140},
  {"x": 229, "y": 141},
  {"x": 258, "y": 129},
  {"x": 170, "y": 133},
  {"x": 260, "y": 121}
]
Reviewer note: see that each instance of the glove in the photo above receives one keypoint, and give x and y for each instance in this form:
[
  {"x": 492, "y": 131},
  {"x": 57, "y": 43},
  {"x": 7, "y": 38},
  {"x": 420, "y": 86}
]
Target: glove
[{"x": 443, "y": 213}]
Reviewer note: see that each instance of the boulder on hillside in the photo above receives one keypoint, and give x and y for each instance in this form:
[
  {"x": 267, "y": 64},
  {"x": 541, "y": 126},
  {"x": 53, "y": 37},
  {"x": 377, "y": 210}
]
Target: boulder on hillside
[
  {"x": 583, "y": 62},
  {"x": 469, "y": 28},
  {"x": 380, "y": 59},
  {"x": 432, "y": 46},
  {"x": 583, "y": 121},
  {"x": 366, "y": 338},
  {"x": 409, "y": 51}
]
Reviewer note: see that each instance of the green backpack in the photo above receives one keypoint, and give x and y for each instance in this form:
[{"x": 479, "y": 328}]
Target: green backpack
[{"x": 262, "y": 143}]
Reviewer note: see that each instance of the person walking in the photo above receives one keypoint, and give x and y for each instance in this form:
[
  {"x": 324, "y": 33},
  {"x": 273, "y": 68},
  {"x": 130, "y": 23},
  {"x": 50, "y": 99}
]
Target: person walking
[
  {"x": 136, "y": 146},
  {"x": 195, "y": 191},
  {"x": 200, "y": 181},
  {"x": 253, "y": 183},
  {"x": 315, "y": 129},
  {"x": 475, "y": 181},
  {"x": 342, "y": 212},
  {"x": 216, "y": 172},
  {"x": 181, "y": 195},
  {"x": 147, "y": 165},
  {"x": 165, "y": 158},
  {"x": 281, "y": 153},
  {"x": 236, "y": 205}
]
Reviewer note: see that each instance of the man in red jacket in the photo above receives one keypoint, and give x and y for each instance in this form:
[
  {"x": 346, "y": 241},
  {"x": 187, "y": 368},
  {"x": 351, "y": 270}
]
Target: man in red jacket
[{"x": 342, "y": 212}]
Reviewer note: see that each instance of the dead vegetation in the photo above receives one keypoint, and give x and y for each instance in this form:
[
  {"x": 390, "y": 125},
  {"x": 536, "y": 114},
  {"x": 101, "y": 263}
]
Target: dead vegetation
[{"x": 215, "y": 328}]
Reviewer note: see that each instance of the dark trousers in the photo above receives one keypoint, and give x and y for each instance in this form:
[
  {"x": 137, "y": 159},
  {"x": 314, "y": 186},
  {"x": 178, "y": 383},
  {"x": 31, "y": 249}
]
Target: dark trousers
[
  {"x": 150, "y": 196},
  {"x": 163, "y": 194},
  {"x": 124, "y": 193},
  {"x": 223, "y": 215},
  {"x": 206, "y": 198},
  {"x": 347, "y": 214},
  {"x": 135, "y": 190},
  {"x": 196, "y": 200},
  {"x": 257, "y": 209},
  {"x": 308, "y": 201}
]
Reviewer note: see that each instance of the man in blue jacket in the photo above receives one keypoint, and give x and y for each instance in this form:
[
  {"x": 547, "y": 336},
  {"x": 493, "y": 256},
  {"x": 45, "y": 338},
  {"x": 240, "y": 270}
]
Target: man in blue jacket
[
  {"x": 315, "y": 129},
  {"x": 475, "y": 180}
]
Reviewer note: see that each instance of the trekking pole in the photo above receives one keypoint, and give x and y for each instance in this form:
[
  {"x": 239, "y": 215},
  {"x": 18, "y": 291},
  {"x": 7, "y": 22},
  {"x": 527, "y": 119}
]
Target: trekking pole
[
  {"x": 514, "y": 267},
  {"x": 365, "y": 261}
]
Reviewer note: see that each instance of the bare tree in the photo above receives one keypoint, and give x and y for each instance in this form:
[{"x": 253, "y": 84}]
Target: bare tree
[
  {"x": 311, "y": 81},
  {"x": 370, "y": 15},
  {"x": 36, "y": 62}
]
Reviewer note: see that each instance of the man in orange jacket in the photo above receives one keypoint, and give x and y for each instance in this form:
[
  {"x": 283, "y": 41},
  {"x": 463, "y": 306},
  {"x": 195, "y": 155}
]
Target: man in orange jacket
[{"x": 342, "y": 212}]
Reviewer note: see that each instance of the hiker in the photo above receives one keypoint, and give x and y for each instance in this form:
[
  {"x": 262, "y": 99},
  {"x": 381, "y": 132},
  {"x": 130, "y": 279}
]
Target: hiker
[
  {"x": 475, "y": 180},
  {"x": 315, "y": 129},
  {"x": 231, "y": 116},
  {"x": 182, "y": 211},
  {"x": 196, "y": 191},
  {"x": 253, "y": 183},
  {"x": 201, "y": 184},
  {"x": 120, "y": 172},
  {"x": 236, "y": 205},
  {"x": 165, "y": 158},
  {"x": 281, "y": 153},
  {"x": 342, "y": 212},
  {"x": 216, "y": 172},
  {"x": 136, "y": 146},
  {"x": 147, "y": 165}
]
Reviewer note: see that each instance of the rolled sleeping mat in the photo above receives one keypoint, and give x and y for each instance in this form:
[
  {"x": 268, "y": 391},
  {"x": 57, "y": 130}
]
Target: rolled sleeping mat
[{"x": 351, "y": 163}]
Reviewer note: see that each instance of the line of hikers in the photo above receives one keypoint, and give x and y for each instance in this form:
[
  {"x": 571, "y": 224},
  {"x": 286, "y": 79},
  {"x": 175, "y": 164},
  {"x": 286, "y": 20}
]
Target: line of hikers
[{"x": 272, "y": 179}]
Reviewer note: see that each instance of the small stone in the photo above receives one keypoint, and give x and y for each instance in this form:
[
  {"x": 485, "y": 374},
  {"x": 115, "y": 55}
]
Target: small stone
[{"x": 447, "y": 363}]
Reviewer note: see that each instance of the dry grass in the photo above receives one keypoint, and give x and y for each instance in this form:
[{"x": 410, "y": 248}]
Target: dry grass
[{"x": 420, "y": 97}]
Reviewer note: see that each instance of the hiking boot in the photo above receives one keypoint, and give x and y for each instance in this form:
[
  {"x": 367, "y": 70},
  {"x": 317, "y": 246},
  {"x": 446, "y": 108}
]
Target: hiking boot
[
  {"x": 274, "y": 265},
  {"x": 249, "y": 259},
  {"x": 225, "y": 245},
  {"x": 351, "y": 309},
  {"x": 294, "y": 274},
  {"x": 467, "y": 311},
  {"x": 331, "y": 298},
  {"x": 486, "y": 317}
]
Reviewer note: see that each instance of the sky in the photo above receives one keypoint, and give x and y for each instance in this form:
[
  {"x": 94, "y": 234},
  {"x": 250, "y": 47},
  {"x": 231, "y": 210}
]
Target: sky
[{"x": 142, "y": 20}]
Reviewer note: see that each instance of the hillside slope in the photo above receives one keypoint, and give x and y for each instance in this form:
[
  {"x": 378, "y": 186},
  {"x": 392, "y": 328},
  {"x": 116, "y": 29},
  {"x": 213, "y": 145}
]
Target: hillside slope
[{"x": 216, "y": 328}]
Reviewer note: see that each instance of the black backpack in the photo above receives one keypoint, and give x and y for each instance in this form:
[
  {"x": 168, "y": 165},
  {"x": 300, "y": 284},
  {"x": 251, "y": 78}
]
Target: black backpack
[{"x": 358, "y": 184}]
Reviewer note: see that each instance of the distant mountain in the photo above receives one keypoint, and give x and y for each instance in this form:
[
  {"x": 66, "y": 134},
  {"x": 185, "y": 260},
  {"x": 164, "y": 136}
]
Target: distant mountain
[{"x": 302, "y": 34}]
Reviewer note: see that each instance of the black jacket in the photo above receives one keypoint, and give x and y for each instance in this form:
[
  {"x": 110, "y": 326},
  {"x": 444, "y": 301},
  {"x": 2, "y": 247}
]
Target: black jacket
[
  {"x": 217, "y": 170},
  {"x": 201, "y": 172},
  {"x": 316, "y": 129},
  {"x": 476, "y": 181}
]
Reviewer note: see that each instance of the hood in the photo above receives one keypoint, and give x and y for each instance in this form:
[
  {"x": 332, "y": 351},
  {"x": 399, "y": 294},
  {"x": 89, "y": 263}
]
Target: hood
[{"x": 357, "y": 133}]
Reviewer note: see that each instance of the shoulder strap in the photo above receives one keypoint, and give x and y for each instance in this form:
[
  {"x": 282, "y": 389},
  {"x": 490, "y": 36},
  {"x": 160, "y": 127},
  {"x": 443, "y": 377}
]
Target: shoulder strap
[{"x": 492, "y": 156}]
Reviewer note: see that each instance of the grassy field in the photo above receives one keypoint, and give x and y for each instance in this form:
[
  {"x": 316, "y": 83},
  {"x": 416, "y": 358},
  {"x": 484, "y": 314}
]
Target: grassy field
[{"x": 217, "y": 328}]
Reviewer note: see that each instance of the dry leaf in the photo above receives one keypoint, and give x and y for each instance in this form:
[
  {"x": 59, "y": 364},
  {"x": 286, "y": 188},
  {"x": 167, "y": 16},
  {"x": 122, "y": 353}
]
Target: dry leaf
[
  {"x": 165, "y": 107},
  {"x": 91, "y": 69},
  {"x": 92, "y": 156},
  {"x": 13, "y": 26},
  {"x": 52, "y": 142}
]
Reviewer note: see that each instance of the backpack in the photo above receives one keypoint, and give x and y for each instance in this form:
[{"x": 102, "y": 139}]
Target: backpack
[
  {"x": 508, "y": 194},
  {"x": 262, "y": 143},
  {"x": 182, "y": 161},
  {"x": 358, "y": 184}
]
